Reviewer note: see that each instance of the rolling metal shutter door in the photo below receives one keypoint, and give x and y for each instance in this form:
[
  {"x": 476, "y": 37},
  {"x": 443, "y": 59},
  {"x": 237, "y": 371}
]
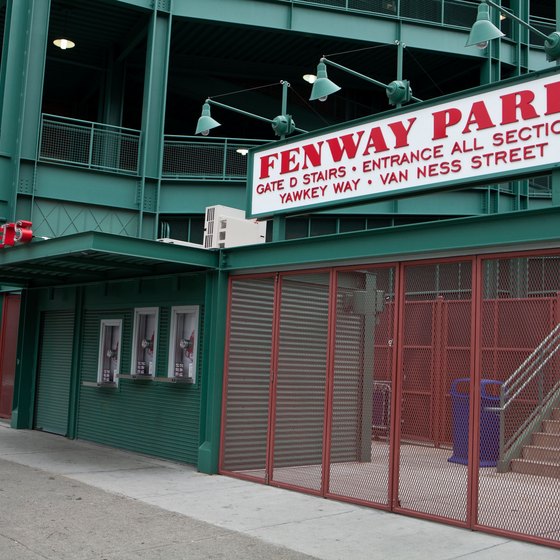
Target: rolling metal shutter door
[
  {"x": 301, "y": 377},
  {"x": 55, "y": 362},
  {"x": 248, "y": 375}
]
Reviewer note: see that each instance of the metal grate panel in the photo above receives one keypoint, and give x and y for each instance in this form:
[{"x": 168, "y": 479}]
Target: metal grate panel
[
  {"x": 437, "y": 341},
  {"x": 520, "y": 419},
  {"x": 360, "y": 434}
]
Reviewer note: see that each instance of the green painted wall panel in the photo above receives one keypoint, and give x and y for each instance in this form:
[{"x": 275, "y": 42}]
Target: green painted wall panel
[
  {"x": 155, "y": 418},
  {"x": 194, "y": 197},
  {"x": 86, "y": 186},
  {"x": 55, "y": 361}
]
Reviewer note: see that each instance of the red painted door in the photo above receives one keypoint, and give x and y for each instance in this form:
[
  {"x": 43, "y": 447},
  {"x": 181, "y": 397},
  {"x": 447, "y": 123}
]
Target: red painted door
[{"x": 8, "y": 347}]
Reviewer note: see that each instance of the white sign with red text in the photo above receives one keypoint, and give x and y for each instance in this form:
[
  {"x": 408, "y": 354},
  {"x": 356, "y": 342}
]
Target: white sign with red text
[{"x": 499, "y": 132}]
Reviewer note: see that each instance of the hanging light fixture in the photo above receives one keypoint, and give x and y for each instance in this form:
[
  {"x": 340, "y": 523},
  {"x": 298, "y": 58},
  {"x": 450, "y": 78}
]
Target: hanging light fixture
[
  {"x": 64, "y": 44},
  {"x": 62, "y": 41}
]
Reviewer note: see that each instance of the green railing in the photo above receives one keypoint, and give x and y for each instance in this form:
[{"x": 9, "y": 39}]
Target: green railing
[
  {"x": 192, "y": 157},
  {"x": 459, "y": 13},
  {"x": 87, "y": 144}
]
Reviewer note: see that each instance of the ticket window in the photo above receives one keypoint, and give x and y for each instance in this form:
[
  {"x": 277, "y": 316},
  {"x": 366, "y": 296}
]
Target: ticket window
[
  {"x": 183, "y": 343},
  {"x": 109, "y": 351},
  {"x": 144, "y": 339}
]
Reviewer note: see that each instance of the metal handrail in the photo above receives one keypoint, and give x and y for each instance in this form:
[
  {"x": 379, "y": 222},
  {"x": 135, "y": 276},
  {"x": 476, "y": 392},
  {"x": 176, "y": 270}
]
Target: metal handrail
[
  {"x": 99, "y": 146},
  {"x": 551, "y": 339},
  {"x": 516, "y": 383}
]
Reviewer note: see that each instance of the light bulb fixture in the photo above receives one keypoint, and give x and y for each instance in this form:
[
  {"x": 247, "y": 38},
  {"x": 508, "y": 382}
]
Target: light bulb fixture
[
  {"x": 242, "y": 151},
  {"x": 206, "y": 122},
  {"x": 322, "y": 86},
  {"x": 483, "y": 30},
  {"x": 64, "y": 44},
  {"x": 310, "y": 78}
]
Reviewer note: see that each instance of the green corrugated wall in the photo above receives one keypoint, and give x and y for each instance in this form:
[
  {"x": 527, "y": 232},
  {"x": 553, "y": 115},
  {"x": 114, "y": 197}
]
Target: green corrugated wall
[{"x": 150, "y": 417}]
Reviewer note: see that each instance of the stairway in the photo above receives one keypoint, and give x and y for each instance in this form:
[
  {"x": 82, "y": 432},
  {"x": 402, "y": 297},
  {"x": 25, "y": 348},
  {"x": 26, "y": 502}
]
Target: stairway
[{"x": 542, "y": 457}]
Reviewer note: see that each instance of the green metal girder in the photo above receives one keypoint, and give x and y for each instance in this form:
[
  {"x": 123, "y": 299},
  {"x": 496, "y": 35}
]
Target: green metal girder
[
  {"x": 81, "y": 252},
  {"x": 452, "y": 237}
]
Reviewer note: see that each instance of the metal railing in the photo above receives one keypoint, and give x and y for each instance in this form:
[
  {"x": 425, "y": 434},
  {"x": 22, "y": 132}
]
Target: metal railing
[
  {"x": 515, "y": 389},
  {"x": 88, "y": 144},
  {"x": 192, "y": 157},
  {"x": 459, "y": 13}
]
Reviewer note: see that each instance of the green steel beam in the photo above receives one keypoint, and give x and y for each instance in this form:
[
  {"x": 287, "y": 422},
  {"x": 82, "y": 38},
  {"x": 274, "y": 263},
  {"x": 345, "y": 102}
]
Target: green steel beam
[
  {"x": 457, "y": 236},
  {"x": 21, "y": 86},
  {"x": 75, "y": 369},
  {"x": 26, "y": 365},
  {"x": 120, "y": 246},
  {"x": 215, "y": 311},
  {"x": 153, "y": 107}
]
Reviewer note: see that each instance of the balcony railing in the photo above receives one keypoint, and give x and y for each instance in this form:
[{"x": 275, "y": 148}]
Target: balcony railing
[
  {"x": 459, "y": 13},
  {"x": 193, "y": 157},
  {"x": 87, "y": 144}
]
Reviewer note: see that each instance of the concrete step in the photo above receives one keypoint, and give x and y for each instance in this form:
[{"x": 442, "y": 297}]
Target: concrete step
[
  {"x": 542, "y": 439},
  {"x": 555, "y": 414},
  {"x": 551, "y": 426},
  {"x": 546, "y": 454},
  {"x": 537, "y": 468}
]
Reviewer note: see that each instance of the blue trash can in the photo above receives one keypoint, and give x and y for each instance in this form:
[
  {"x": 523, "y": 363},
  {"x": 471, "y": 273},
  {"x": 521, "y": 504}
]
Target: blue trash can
[{"x": 489, "y": 422}]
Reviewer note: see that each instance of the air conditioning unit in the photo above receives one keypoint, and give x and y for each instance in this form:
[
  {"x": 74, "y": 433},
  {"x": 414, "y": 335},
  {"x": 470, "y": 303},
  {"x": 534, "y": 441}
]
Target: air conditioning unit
[
  {"x": 172, "y": 241},
  {"x": 227, "y": 227}
]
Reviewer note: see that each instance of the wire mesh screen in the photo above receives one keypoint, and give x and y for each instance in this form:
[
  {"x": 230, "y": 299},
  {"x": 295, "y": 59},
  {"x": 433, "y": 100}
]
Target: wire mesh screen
[
  {"x": 361, "y": 401},
  {"x": 436, "y": 351},
  {"x": 249, "y": 348},
  {"x": 91, "y": 145},
  {"x": 216, "y": 158},
  {"x": 520, "y": 419},
  {"x": 300, "y": 383}
]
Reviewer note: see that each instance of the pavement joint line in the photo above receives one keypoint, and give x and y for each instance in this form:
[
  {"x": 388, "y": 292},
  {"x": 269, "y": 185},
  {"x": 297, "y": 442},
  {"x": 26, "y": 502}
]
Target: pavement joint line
[
  {"x": 7, "y": 537},
  {"x": 69, "y": 474},
  {"x": 476, "y": 552},
  {"x": 300, "y": 521}
]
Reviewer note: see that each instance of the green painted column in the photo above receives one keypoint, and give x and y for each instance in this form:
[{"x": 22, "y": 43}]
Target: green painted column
[
  {"x": 75, "y": 374},
  {"x": 153, "y": 118},
  {"x": 26, "y": 363},
  {"x": 211, "y": 394},
  {"x": 21, "y": 88}
]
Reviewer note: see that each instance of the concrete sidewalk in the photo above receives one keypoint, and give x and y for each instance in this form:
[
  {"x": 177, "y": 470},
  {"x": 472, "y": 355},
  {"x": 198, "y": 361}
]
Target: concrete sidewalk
[{"x": 62, "y": 499}]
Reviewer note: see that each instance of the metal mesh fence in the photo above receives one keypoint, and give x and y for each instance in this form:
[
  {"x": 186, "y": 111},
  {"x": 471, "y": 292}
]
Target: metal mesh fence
[
  {"x": 429, "y": 455},
  {"x": 249, "y": 350},
  {"x": 520, "y": 421},
  {"x": 436, "y": 352},
  {"x": 216, "y": 158},
  {"x": 361, "y": 401},
  {"x": 88, "y": 144}
]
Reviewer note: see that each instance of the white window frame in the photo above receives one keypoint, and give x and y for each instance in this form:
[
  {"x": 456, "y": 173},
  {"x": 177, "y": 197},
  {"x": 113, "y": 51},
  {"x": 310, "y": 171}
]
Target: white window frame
[
  {"x": 104, "y": 325},
  {"x": 137, "y": 339},
  {"x": 192, "y": 324}
]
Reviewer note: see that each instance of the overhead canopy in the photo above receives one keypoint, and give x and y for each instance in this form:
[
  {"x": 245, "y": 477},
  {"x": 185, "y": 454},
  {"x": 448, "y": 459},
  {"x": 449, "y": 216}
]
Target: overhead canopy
[{"x": 97, "y": 257}]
